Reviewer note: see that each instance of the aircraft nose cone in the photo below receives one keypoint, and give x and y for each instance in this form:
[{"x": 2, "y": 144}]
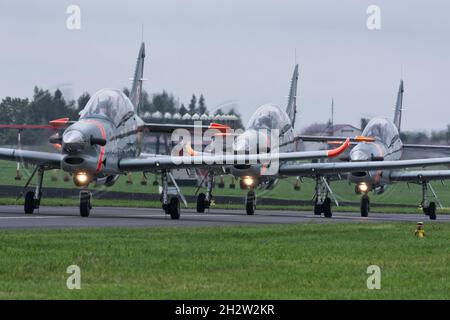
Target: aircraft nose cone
[
  {"x": 73, "y": 141},
  {"x": 358, "y": 155}
]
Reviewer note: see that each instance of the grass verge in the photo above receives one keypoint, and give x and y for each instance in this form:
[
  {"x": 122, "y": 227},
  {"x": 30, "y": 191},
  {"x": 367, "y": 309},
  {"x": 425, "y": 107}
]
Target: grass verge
[{"x": 308, "y": 261}]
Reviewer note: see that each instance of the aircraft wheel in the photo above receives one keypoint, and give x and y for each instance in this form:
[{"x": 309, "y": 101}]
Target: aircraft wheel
[
  {"x": 327, "y": 208},
  {"x": 232, "y": 186},
  {"x": 250, "y": 203},
  {"x": 29, "y": 202},
  {"x": 432, "y": 211},
  {"x": 318, "y": 208},
  {"x": 365, "y": 206},
  {"x": 201, "y": 203},
  {"x": 174, "y": 208},
  {"x": 85, "y": 203}
]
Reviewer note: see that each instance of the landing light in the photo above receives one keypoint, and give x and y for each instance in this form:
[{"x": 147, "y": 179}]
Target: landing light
[
  {"x": 248, "y": 181},
  {"x": 81, "y": 179},
  {"x": 363, "y": 187}
]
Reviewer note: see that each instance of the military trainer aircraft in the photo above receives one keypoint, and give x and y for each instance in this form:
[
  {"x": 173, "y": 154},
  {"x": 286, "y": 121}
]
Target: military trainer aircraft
[
  {"x": 377, "y": 151},
  {"x": 105, "y": 143},
  {"x": 387, "y": 146}
]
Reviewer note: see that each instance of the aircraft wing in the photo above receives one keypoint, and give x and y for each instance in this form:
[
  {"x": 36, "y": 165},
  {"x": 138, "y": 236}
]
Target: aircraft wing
[
  {"x": 416, "y": 151},
  {"x": 419, "y": 176},
  {"x": 170, "y": 127},
  {"x": 48, "y": 159},
  {"x": 208, "y": 160},
  {"x": 308, "y": 169},
  {"x": 426, "y": 146},
  {"x": 331, "y": 139}
]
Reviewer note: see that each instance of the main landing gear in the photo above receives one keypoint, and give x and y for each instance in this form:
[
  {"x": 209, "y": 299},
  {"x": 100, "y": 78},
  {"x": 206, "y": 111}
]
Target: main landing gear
[
  {"x": 204, "y": 200},
  {"x": 322, "y": 200},
  {"x": 429, "y": 208},
  {"x": 33, "y": 198},
  {"x": 170, "y": 206}
]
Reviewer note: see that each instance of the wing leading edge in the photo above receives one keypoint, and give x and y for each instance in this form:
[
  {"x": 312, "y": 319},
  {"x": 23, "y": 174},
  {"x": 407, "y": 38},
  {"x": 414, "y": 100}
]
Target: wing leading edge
[
  {"x": 48, "y": 159},
  {"x": 334, "y": 167}
]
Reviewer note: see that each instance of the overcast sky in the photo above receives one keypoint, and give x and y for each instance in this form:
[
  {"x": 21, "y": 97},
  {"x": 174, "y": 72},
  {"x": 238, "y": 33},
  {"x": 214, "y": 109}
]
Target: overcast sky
[{"x": 240, "y": 51}]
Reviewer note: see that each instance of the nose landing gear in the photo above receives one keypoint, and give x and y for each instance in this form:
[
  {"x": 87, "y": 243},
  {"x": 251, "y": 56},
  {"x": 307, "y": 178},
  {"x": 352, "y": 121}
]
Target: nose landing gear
[
  {"x": 250, "y": 202},
  {"x": 85, "y": 203},
  {"x": 365, "y": 206}
]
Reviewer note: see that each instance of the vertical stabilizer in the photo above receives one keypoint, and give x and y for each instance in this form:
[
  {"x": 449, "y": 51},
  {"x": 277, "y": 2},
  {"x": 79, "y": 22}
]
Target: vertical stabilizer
[
  {"x": 136, "y": 87},
  {"x": 398, "y": 107},
  {"x": 291, "y": 109}
]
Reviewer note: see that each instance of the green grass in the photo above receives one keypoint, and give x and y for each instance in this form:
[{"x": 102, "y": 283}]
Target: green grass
[{"x": 308, "y": 261}]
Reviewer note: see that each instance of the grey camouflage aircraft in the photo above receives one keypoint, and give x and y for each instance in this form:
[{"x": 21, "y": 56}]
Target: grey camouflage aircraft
[
  {"x": 377, "y": 152},
  {"x": 106, "y": 142},
  {"x": 386, "y": 147}
]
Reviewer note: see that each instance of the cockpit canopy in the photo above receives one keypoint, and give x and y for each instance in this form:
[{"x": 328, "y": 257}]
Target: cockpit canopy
[
  {"x": 111, "y": 104},
  {"x": 381, "y": 129},
  {"x": 269, "y": 117}
]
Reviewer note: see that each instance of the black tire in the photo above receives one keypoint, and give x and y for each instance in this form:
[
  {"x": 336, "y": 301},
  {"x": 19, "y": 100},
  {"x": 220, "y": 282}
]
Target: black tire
[
  {"x": 165, "y": 208},
  {"x": 85, "y": 204},
  {"x": 365, "y": 206},
  {"x": 221, "y": 185},
  {"x": 29, "y": 202},
  {"x": 432, "y": 211},
  {"x": 327, "y": 208},
  {"x": 232, "y": 186},
  {"x": 250, "y": 203},
  {"x": 174, "y": 208},
  {"x": 318, "y": 208},
  {"x": 250, "y": 208},
  {"x": 201, "y": 203}
]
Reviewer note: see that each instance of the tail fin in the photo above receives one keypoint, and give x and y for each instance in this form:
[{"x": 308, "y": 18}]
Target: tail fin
[
  {"x": 136, "y": 88},
  {"x": 291, "y": 109},
  {"x": 398, "y": 107}
]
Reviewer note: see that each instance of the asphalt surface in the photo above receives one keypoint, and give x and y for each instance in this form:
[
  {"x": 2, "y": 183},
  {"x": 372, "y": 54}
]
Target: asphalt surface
[{"x": 68, "y": 217}]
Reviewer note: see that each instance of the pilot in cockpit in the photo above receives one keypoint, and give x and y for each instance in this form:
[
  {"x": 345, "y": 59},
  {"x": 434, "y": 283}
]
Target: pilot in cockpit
[{"x": 104, "y": 108}]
